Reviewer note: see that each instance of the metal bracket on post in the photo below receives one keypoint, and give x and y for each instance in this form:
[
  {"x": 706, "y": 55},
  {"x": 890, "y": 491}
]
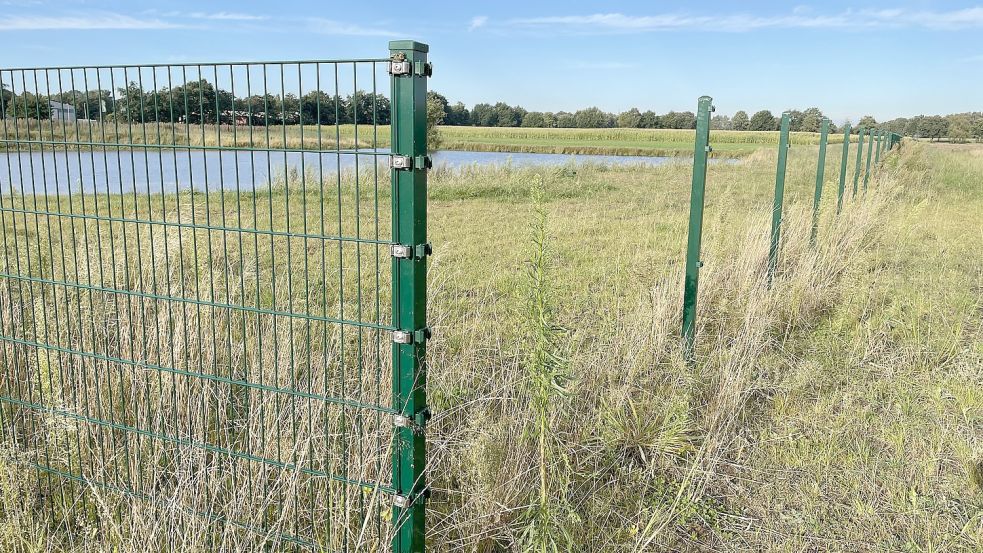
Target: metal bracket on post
[
  {"x": 416, "y": 423},
  {"x": 407, "y": 163},
  {"x": 406, "y": 501},
  {"x": 420, "y": 251},
  {"x": 399, "y": 66},
  {"x": 414, "y": 337}
]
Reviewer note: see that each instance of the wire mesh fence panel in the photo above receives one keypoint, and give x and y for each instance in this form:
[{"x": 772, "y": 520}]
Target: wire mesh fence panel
[{"x": 195, "y": 300}]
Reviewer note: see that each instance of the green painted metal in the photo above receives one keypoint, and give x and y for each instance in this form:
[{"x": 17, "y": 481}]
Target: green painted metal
[
  {"x": 187, "y": 294},
  {"x": 409, "y": 138},
  {"x": 820, "y": 175},
  {"x": 844, "y": 159},
  {"x": 877, "y": 152},
  {"x": 695, "y": 238},
  {"x": 860, "y": 151},
  {"x": 776, "y": 212},
  {"x": 870, "y": 148}
]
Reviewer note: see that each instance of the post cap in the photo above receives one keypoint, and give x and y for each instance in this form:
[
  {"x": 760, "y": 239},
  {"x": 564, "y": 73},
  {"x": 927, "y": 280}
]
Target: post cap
[{"x": 408, "y": 45}]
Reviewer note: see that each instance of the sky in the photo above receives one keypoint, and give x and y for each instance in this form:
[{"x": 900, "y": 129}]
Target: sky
[{"x": 886, "y": 59}]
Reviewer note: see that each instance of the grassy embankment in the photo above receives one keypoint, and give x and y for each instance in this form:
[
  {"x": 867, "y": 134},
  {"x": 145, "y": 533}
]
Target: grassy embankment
[
  {"x": 839, "y": 411},
  {"x": 649, "y": 142}
]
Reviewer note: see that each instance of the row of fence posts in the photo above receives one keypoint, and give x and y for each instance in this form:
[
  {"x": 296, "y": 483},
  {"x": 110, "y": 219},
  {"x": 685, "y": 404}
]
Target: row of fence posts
[{"x": 885, "y": 142}]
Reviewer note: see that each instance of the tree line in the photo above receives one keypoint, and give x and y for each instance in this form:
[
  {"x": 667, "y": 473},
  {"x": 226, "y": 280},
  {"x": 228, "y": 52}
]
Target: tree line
[
  {"x": 962, "y": 126},
  {"x": 199, "y": 102},
  {"x": 504, "y": 115}
]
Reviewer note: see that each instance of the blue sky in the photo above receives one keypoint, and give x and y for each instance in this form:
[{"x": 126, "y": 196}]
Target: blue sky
[{"x": 887, "y": 59}]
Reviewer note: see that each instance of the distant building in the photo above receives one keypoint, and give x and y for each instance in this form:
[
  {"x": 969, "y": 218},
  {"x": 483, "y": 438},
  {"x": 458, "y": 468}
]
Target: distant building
[{"x": 62, "y": 112}]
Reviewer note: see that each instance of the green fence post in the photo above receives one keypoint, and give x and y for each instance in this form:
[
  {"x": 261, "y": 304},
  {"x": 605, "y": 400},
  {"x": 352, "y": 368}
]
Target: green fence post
[
  {"x": 870, "y": 146},
  {"x": 860, "y": 151},
  {"x": 776, "y": 211},
  {"x": 843, "y": 162},
  {"x": 695, "y": 239},
  {"x": 409, "y": 68},
  {"x": 820, "y": 175},
  {"x": 877, "y": 153}
]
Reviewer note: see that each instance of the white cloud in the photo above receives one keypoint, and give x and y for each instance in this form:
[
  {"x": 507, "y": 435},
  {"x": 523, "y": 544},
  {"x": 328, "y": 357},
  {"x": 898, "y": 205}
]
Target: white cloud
[
  {"x": 228, "y": 16},
  {"x": 81, "y": 22},
  {"x": 478, "y": 21},
  {"x": 332, "y": 27},
  {"x": 850, "y": 19}
]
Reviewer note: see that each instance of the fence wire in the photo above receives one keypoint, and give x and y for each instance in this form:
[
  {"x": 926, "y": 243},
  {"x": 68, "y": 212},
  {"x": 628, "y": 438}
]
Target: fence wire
[{"x": 195, "y": 299}]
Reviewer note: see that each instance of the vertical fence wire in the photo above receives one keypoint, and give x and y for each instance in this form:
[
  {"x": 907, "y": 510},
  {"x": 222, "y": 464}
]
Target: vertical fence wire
[{"x": 194, "y": 298}]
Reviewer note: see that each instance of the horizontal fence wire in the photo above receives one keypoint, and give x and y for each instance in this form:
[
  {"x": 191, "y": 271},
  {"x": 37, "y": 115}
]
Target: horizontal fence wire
[{"x": 195, "y": 300}]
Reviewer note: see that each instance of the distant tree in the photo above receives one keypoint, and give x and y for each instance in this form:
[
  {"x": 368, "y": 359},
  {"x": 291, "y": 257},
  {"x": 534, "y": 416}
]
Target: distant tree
[
  {"x": 593, "y": 118},
  {"x": 649, "y": 120},
  {"x": 960, "y": 128},
  {"x": 5, "y": 97},
  {"x": 631, "y": 119},
  {"x": 534, "y": 119},
  {"x": 811, "y": 120},
  {"x": 435, "y": 116},
  {"x": 194, "y": 102},
  {"x": 795, "y": 122},
  {"x": 763, "y": 121},
  {"x": 440, "y": 99},
  {"x": 366, "y": 107},
  {"x": 484, "y": 115},
  {"x": 95, "y": 104},
  {"x": 315, "y": 107},
  {"x": 913, "y": 125},
  {"x": 457, "y": 114},
  {"x": 508, "y": 116},
  {"x": 565, "y": 120},
  {"x": 549, "y": 120},
  {"x": 679, "y": 120},
  {"x": 897, "y": 125},
  {"x": 978, "y": 130},
  {"x": 867, "y": 122},
  {"x": 933, "y": 127},
  {"x": 29, "y": 106},
  {"x": 740, "y": 121},
  {"x": 721, "y": 122}
]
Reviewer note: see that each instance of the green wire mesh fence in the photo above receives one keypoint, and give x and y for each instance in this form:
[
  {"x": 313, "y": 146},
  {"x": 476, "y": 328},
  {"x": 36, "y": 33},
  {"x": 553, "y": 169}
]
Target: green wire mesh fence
[{"x": 196, "y": 298}]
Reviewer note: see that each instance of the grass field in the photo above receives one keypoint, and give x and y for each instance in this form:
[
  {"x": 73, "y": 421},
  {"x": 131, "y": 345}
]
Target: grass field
[
  {"x": 649, "y": 142},
  {"x": 841, "y": 410}
]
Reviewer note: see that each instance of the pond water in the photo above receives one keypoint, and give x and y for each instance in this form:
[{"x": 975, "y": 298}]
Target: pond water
[{"x": 161, "y": 170}]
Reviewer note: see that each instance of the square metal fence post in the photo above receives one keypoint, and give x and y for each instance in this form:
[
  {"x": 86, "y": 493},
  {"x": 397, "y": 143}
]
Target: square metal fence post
[
  {"x": 860, "y": 151},
  {"x": 409, "y": 69},
  {"x": 693, "y": 263},
  {"x": 844, "y": 158},
  {"x": 820, "y": 175},
  {"x": 776, "y": 212},
  {"x": 870, "y": 147},
  {"x": 877, "y": 153}
]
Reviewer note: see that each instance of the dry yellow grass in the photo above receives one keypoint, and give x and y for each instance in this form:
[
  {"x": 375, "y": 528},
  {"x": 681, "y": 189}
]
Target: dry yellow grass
[{"x": 838, "y": 411}]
